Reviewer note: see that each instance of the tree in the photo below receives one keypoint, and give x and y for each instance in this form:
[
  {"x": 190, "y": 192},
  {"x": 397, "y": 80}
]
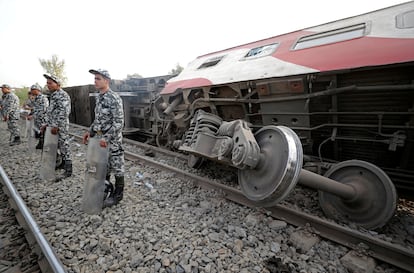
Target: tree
[
  {"x": 55, "y": 67},
  {"x": 175, "y": 71},
  {"x": 135, "y": 75},
  {"x": 22, "y": 93}
]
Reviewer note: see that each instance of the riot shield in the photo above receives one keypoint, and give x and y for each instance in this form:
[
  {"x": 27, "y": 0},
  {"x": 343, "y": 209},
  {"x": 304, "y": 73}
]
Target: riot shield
[
  {"x": 3, "y": 124},
  {"x": 31, "y": 135},
  {"x": 27, "y": 128},
  {"x": 22, "y": 123},
  {"x": 96, "y": 165},
  {"x": 48, "y": 161}
]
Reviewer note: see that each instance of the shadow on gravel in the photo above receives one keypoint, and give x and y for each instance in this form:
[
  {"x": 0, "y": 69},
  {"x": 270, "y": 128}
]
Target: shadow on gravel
[{"x": 275, "y": 265}]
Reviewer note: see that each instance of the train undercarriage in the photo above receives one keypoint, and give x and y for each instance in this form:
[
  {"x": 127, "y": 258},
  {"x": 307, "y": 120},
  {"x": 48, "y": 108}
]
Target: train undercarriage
[{"x": 349, "y": 135}]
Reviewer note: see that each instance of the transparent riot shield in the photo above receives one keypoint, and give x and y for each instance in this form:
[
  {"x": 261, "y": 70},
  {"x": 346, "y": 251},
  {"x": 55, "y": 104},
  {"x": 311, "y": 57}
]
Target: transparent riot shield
[
  {"x": 31, "y": 135},
  {"x": 22, "y": 123},
  {"x": 48, "y": 161},
  {"x": 27, "y": 129},
  {"x": 96, "y": 165}
]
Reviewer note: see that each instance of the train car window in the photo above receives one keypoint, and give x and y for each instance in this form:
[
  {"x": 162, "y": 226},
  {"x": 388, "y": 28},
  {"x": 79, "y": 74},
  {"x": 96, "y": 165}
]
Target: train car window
[
  {"x": 332, "y": 36},
  {"x": 211, "y": 62},
  {"x": 261, "y": 51},
  {"x": 405, "y": 20}
]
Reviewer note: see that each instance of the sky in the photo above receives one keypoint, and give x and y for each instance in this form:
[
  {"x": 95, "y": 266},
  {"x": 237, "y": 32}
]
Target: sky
[{"x": 147, "y": 37}]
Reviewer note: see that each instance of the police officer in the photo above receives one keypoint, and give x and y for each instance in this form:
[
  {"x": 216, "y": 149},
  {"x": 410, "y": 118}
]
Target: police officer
[
  {"x": 1, "y": 105},
  {"x": 11, "y": 113},
  {"x": 38, "y": 114},
  {"x": 109, "y": 121},
  {"x": 57, "y": 117}
]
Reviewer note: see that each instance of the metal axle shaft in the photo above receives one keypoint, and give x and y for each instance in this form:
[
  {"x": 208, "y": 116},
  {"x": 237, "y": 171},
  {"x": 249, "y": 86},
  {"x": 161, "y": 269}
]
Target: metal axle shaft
[{"x": 325, "y": 184}]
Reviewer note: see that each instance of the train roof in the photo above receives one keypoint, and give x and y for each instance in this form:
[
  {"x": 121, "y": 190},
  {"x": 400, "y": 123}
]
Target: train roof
[{"x": 380, "y": 37}]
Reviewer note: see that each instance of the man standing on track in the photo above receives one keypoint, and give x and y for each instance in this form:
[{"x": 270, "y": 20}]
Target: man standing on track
[
  {"x": 11, "y": 113},
  {"x": 108, "y": 124},
  {"x": 57, "y": 117}
]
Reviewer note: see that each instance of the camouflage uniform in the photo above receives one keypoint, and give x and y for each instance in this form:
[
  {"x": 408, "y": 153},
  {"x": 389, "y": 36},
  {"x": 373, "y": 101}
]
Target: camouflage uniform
[
  {"x": 58, "y": 116},
  {"x": 11, "y": 110},
  {"x": 1, "y": 105},
  {"x": 109, "y": 121},
  {"x": 40, "y": 105},
  {"x": 28, "y": 104}
]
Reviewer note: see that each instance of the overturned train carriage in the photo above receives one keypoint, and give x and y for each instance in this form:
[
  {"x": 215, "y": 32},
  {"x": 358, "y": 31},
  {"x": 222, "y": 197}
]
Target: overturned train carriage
[
  {"x": 138, "y": 96},
  {"x": 330, "y": 107}
]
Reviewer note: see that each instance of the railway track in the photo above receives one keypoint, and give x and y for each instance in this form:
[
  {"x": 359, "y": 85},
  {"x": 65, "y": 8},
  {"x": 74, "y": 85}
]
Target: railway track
[
  {"x": 379, "y": 249},
  {"x": 46, "y": 259},
  {"x": 358, "y": 242}
]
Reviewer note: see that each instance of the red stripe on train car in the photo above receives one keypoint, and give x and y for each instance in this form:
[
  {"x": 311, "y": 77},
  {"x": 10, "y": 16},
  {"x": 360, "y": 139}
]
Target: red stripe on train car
[
  {"x": 171, "y": 87},
  {"x": 360, "y": 52}
]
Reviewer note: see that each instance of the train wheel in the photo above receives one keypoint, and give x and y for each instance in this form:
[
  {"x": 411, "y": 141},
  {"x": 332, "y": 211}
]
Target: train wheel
[
  {"x": 161, "y": 141},
  {"x": 278, "y": 170},
  {"x": 375, "y": 201}
]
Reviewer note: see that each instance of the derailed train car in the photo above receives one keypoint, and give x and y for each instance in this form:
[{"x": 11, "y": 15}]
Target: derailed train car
[
  {"x": 138, "y": 96},
  {"x": 330, "y": 106}
]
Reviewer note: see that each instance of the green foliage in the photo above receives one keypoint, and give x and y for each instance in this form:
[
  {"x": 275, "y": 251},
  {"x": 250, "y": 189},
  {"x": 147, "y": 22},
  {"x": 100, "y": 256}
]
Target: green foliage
[
  {"x": 177, "y": 70},
  {"x": 55, "y": 67},
  {"x": 22, "y": 93}
]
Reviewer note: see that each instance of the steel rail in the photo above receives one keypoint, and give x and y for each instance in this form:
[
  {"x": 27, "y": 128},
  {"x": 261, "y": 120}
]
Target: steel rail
[
  {"x": 381, "y": 250},
  {"x": 47, "y": 258},
  {"x": 137, "y": 143}
]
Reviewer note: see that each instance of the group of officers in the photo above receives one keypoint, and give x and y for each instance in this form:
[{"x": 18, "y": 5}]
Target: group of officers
[{"x": 54, "y": 113}]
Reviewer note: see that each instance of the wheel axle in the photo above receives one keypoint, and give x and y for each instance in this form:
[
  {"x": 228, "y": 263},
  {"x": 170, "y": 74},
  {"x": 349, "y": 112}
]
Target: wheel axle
[{"x": 354, "y": 190}]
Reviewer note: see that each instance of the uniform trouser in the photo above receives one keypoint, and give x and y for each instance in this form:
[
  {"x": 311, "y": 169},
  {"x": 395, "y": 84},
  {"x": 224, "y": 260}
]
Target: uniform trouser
[
  {"x": 14, "y": 128},
  {"x": 116, "y": 160},
  {"x": 37, "y": 124},
  {"x": 64, "y": 145}
]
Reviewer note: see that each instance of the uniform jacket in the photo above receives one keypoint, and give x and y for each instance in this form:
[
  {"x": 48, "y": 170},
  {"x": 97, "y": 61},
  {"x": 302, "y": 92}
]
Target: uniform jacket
[
  {"x": 40, "y": 105},
  {"x": 109, "y": 116},
  {"x": 11, "y": 106},
  {"x": 59, "y": 110}
]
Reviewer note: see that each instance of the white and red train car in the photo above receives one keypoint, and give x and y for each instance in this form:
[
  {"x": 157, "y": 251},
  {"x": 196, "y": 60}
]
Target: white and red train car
[
  {"x": 345, "y": 88},
  {"x": 379, "y": 38}
]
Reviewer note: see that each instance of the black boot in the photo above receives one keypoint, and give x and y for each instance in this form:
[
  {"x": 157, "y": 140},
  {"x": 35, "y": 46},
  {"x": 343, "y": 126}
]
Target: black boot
[
  {"x": 39, "y": 145},
  {"x": 117, "y": 194},
  {"x": 68, "y": 168},
  {"x": 109, "y": 187},
  {"x": 60, "y": 162},
  {"x": 68, "y": 171},
  {"x": 15, "y": 141}
]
